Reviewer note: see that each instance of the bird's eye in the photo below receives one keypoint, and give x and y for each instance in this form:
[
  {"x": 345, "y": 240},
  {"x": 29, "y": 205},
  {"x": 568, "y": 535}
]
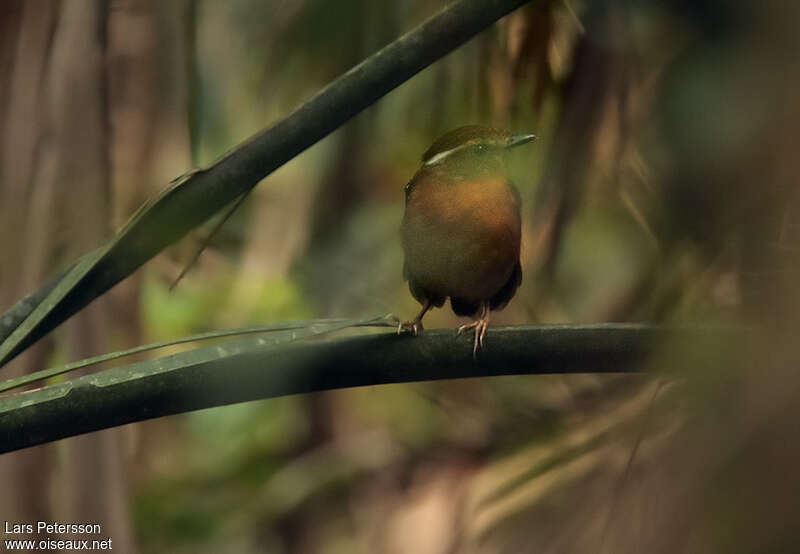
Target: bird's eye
[{"x": 481, "y": 148}]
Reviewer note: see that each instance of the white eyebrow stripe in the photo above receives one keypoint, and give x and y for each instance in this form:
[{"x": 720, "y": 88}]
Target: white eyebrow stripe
[{"x": 442, "y": 155}]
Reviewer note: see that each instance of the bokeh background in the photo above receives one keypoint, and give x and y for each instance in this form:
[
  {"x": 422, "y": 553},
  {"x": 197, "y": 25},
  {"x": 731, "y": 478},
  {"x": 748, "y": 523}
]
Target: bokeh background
[{"x": 662, "y": 189}]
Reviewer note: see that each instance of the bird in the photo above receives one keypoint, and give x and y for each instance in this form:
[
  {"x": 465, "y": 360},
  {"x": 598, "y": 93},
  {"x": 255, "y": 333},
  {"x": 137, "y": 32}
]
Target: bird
[{"x": 461, "y": 230}]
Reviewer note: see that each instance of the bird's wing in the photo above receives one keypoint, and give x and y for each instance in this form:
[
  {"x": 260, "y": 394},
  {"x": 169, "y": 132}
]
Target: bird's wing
[{"x": 501, "y": 298}]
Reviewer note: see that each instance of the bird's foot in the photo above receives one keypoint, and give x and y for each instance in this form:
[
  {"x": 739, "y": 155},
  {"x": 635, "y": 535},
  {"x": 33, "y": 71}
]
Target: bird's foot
[
  {"x": 481, "y": 325},
  {"x": 414, "y": 326}
]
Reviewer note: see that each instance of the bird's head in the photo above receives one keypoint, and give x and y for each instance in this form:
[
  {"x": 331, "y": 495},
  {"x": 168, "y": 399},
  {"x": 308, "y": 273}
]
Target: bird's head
[{"x": 472, "y": 147}]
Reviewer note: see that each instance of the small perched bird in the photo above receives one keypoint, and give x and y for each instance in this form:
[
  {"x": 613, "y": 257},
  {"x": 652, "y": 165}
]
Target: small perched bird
[{"x": 461, "y": 228}]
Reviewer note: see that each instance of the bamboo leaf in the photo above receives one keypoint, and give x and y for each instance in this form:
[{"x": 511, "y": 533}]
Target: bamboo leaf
[
  {"x": 312, "y": 325},
  {"x": 255, "y": 367},
  {"x": 11, "y": 345}
]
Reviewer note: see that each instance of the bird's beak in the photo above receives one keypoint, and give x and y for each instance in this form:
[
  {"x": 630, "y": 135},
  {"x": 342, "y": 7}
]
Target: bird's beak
[{"x": 516, "y": 140}]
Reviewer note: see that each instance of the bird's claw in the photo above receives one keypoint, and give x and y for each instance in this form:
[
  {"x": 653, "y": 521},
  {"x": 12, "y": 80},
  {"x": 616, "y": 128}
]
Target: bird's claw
[
  {"x": 466, "y": 327},
  {"x": 480, "y": 325},
  {"x": 414, "y": 326}
]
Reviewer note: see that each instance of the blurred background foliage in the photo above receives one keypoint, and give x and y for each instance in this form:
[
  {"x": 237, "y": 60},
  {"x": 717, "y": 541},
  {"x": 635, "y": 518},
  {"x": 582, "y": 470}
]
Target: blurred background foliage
[{"x": 662, "y": 189}]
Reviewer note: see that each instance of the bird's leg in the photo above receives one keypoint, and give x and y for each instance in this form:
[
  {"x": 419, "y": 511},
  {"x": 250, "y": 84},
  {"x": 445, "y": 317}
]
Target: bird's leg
[
  {"x": 480, "y": 325},
  {"x": 415, "y": 325}
]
